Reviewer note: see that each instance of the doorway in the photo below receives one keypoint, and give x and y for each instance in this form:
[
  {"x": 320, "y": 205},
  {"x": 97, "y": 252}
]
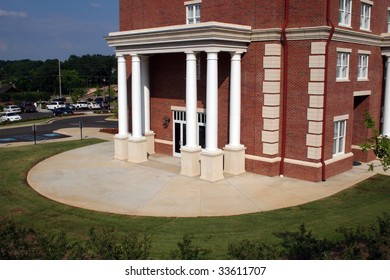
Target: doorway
[{"x": 179, "y": 131}]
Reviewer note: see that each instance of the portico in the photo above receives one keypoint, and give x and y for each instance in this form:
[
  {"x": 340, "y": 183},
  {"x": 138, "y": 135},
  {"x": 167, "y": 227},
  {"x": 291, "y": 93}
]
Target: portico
[{"x": 211, "y": 38}]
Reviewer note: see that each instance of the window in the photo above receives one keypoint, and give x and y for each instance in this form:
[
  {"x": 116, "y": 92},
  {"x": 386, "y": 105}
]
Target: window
[
  {"x": 345, "y": 12},
  {"x": 363, "y": 67},
  {"x": 388, "y": 22},
  {"x": 365, "y": 15},
  {"x": 339, "y": 137},
  {"x": 342, "y": 66},
  {"x": 193, "y": 13}
]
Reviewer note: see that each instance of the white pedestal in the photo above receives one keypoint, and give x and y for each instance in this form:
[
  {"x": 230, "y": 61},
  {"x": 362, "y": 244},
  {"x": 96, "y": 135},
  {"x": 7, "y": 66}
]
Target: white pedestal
[
  {"x": 137, "y": 150},
  {"x": 234, "y": 159},
  {"x": 150, "y": 142},
  {"x": 190, "y": 161},
  {"x": 211, "y": 165},
  {"x": 121, "y": 146}
]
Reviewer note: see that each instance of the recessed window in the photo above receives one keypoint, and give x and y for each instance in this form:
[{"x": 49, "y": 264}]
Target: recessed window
[
  {"x": 339, "y": 137},
  {"x": 388, "y": 22},
  {"x": 345, "y": 10},
  {"x": 342, "y": 72},
  {"x": 193, "y": 13},
  {"x": 365, "y": 16},
  {"x": 363, "y": 67}
]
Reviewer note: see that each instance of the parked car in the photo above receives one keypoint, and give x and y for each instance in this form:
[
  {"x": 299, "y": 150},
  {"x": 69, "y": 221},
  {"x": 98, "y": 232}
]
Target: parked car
[
  {"x": 55, "y": 105},
  {"x": 81, "y": 105},
  {"x": 62, "y": 111},
  {"x": 70, "y": 106},
  {"x": 27, "y": 107},
  {"x": 12, "y": 109},
  {"x": 93, "y": 106},
  {"x": 9, "y": 117}
]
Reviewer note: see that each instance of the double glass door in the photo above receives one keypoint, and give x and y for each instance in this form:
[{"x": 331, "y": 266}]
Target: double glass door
[{"x": 180, "y": 130}]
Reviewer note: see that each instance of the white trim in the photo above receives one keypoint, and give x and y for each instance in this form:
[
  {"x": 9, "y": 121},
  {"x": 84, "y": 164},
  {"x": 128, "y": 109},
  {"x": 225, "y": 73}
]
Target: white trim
[
  {"x": 338, "y": 157},
  {"x": 161, "y": 141},
  {"x": 257, "y": 158},
  {"x": 303, "y": 163},
  {"x": 364, "y": 52},
  {"x": 362, "y": 93},
  {"x": 344, "y": 50},
  {"x": 193, "y": 2},
  {"x": 180, "y": 108},
  {"x": 367, "y": 2},
  {"x": 341, "y": 118}
]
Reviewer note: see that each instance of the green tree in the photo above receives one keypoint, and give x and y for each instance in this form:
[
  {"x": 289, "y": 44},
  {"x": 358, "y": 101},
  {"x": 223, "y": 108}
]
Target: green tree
[{"x": 378, "y": 143}]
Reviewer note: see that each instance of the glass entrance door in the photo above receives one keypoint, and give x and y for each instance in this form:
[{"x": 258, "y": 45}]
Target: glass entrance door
[{"x": 179, "y": 131}]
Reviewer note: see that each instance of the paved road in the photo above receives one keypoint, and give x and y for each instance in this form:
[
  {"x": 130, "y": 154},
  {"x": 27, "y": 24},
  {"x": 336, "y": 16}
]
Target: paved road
[{"x": 46, "y": 131}]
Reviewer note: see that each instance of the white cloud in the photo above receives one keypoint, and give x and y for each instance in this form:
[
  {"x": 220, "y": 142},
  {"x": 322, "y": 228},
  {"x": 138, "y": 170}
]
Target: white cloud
[{"x": 4, "y": 13}]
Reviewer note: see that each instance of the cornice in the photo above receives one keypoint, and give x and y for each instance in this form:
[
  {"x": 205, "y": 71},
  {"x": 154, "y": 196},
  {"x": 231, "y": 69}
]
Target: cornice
[{"x": 182, "y": 35}]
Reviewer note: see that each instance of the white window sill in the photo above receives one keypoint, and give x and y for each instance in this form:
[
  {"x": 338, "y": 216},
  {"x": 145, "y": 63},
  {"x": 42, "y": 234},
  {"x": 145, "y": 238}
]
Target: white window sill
[
  {"x": 342, "y": 80},
  {"x": 345, "y": 25},
  {"x": 365, "y": 30},
  {"x": 363, "y": 80}
]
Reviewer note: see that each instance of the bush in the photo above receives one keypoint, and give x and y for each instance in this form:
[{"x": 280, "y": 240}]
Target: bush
[
  {"x": 252, "y": 250},
  {"x": 370, "y": 242},
  {"x": 188, "y": 251}
]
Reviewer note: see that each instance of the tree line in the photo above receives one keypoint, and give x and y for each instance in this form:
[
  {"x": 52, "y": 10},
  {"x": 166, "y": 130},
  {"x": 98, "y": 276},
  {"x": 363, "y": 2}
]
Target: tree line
[{"x": 77, "y": 72}]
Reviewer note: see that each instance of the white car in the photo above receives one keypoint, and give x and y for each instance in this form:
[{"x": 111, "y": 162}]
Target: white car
[
  {"x": 55, "y": 105},
  {"x": 81, "y": 105},
  {"x": 9, "y": 117},
  {"x": 12, "y": 109},
  {"x": 93, "y": 106}
]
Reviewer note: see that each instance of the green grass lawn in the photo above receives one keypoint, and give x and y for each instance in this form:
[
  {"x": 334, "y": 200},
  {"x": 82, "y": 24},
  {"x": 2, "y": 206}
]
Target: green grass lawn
[{"x": 359, "y": 205}]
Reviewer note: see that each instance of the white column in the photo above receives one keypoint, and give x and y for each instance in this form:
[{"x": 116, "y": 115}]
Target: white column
[
  {"x": 235, "y": 101},
  {"x": 234, "y": 162},
  {"x": 212, "y": 102},
  {"x": 145, "y": 93},
  {"x": 123, "y": 118},
  {"x": 212, "y": 157},
  {"x": 386, "y": 105},
  {"x": 136, "y": 97},
  {"x": 120, "y": 142},
  {"x": 190, "y": 153},
  {"x": 137, "y": 145},
  {"x": 191, "y": 101},
  {"x": 145, "y": 106}
]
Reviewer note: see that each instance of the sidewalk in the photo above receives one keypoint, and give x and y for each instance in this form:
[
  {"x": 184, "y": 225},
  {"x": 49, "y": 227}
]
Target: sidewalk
[{"x": 90, "y": 178}]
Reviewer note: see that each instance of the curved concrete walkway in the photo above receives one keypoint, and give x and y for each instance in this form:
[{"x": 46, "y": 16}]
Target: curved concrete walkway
[{"x": 90, "y": 178}]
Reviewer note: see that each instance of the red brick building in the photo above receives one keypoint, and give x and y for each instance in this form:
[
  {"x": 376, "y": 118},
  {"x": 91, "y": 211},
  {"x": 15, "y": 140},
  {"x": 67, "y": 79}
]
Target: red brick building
[{"x": 270, "y": 87}]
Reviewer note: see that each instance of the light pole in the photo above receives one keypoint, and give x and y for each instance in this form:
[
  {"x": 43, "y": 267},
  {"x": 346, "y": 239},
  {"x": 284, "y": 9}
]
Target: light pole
[{"x": 59, "y": 77}]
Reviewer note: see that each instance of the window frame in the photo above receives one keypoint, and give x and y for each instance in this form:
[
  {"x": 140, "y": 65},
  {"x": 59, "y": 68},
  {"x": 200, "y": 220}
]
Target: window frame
[
  {"x": 342, "y": 66},
  {"x": 344, "y": 14},
  {"x": 192, "y": 7},
  {"x": 365, "y": 16},
  {"x": 363, "y": 60},
  {"x": 339, "y": 137}
]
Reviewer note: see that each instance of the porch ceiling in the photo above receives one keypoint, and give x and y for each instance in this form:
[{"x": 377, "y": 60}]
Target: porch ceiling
[{"x": 181, "y": 38}]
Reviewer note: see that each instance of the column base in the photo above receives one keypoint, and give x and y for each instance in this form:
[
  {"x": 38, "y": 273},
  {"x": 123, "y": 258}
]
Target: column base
[
  {"x": 150, "y": 142},
  {"x": 211, "y": 165},
  {"x": 234, "y": 159},
  {"x": 190, "y": 161},
  {"x": 137, "y": 150},
  {"x": 121, "y": 146}
]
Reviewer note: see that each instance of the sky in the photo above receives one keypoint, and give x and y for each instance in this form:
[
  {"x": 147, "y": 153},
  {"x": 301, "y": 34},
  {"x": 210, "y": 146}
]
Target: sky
[{"x": 56, "y": 29}]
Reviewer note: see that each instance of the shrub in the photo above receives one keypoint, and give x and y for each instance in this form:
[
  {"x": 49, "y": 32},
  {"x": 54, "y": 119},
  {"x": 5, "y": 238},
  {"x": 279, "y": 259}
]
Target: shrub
[{"x": 188, "y": 251}]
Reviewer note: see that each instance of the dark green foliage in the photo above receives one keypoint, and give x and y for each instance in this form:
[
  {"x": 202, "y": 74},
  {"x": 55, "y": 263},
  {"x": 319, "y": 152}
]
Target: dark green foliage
[
  {"x": 42, "y": 76},
  {"x": 252, "y": 250},
  {"x": 19, "y": 243},
  {"x": 109, "y": 246},
  {"x": 370, "y": 242},
  {"x": 188, "y": 250},
  {"x": 379, "y": 144}
]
